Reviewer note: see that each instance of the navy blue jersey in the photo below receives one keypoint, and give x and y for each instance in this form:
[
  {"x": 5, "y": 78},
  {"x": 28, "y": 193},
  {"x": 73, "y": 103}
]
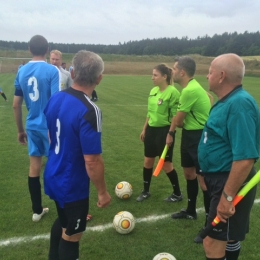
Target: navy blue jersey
[
  {"x": 36, "y": 82},
  {"x": 74, "y": 124}
]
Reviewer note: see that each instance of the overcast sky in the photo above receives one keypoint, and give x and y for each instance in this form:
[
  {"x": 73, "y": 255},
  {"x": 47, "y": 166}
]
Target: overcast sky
[{"x": 114, "y": 21}]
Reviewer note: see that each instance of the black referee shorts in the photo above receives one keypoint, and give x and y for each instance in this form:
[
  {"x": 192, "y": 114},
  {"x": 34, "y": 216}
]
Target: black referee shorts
[
  {"x": 154, "y": 142},
  {"x": 237, "y": 226},
  {"x": 189, "y": 148},
  {"x": 73, "y": 216}
]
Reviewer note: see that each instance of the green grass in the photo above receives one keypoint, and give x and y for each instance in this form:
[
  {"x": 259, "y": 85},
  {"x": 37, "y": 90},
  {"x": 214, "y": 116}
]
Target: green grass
[{"x": 122, "y": 100}]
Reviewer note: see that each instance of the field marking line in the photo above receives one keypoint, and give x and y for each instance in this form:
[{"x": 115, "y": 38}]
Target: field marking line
[{"x": 100, "y": 228}]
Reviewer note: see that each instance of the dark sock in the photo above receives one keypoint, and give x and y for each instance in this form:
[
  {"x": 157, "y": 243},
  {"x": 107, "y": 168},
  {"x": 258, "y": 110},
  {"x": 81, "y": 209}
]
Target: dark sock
[
  {"x": 192, "y": 192},
  {"x": 222, "y": 258},
  {"x": 147, "y": 176},
  {"x": 3, "y": 95},
  {"x": 68, "y": 250},
  {"x": 36, "y": 195},
  {"x": 94, "y": 94},
  {"x": 233, "y": 250},
  {"x": 173, "y": 177},
  {"x": 56, "y": 232},
  {"x": 206, "y": 199}
]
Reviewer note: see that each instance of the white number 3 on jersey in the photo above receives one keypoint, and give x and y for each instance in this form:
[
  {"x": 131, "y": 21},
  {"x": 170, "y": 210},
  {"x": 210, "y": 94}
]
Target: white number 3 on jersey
[
  {"x": 57, "y": 147},
  {"x": 33, "y": 96}
]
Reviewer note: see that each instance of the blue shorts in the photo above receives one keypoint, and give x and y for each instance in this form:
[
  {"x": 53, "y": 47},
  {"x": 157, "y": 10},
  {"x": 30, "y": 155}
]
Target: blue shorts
[{"x": 38, "y": 143}]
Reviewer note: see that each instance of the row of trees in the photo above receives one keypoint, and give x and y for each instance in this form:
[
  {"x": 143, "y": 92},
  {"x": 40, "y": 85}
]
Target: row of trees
[{"x": 245, "y": 44}]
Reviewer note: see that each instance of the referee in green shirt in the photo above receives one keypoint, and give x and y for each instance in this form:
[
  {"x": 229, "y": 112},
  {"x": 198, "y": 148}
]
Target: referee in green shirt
[
  {"x": 162, "y": 106},
  {"x": 192, "y": 114}
]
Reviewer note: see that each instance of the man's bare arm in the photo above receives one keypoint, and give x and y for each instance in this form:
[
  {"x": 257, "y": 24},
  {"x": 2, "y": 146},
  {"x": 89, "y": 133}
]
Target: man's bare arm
[{"x": 95, "y": 169}]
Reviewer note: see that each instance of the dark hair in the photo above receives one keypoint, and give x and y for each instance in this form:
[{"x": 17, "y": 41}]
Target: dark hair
[
  {"x": 165, "y": 70},
  {"x": 38, "y": 45},
  {"x": 187, "y": 64}
]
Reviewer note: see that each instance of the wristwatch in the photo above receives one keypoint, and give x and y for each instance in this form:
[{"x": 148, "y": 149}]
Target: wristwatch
[
  {"x": 171, "y": 133},
  {"x": 229, "y": 198}
]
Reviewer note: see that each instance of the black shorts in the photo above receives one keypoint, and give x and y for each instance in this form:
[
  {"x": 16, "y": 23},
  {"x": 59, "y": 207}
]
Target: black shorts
[
  {"x": 73, "y": 216},
  {"x": 189, "y": 148},
  {"x": 237, "y": 226},
  {"x": 154, "y": 142}
]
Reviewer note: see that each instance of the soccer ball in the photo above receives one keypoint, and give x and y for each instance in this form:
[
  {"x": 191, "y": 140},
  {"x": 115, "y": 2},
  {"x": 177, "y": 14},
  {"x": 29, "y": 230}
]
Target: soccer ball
[
  {"x": 123, "y": 190},
  {"x": 164, "y": 256},
  {"x": 124, "y": 222}
]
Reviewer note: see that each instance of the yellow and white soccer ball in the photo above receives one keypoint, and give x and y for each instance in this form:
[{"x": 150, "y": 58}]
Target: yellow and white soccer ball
[
  {"x": 123, "y": 190},
  {"x": 124, "y": 222},
  {"x": 164, "y": 256}
]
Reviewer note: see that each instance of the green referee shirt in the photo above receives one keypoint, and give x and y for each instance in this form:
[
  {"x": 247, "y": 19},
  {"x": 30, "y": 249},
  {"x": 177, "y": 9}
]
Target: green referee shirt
[
  {"x": 162, "y": 106},
  {"x": 194, "y": 101}
]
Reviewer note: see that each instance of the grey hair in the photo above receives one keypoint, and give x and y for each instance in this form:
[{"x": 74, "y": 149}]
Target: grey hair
[
  {"x": 87, "y": 67},
  {"x": 187, "y": 64}
]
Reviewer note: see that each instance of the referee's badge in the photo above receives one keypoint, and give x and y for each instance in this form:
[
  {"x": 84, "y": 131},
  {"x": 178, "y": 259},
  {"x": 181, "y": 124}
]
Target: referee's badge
[{"x": 160, "y": 101}]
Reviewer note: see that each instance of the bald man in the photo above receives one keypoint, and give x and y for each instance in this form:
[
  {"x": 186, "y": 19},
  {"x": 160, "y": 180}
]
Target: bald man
[{"x": 227, "y": 151}]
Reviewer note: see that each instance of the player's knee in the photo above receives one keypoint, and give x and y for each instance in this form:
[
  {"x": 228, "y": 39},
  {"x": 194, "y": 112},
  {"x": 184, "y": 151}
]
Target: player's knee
[
  {"x": 73, "y": 238},
  {"x": 190, "y": 174}
]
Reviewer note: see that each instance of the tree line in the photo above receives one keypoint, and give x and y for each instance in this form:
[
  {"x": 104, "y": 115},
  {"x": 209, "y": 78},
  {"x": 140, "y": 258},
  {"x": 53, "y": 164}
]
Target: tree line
[{"x": 243, "y": 44}]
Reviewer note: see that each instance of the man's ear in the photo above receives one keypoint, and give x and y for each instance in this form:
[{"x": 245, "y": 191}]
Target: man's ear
[
  {"x": 72, "y": 74},
  {"x": 99, "y": 79},
  {"x": 222, "y": 76}
]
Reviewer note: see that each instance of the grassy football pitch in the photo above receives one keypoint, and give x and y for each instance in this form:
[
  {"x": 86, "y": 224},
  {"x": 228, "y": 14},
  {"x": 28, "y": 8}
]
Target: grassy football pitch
[{"x": 123, "y": 101}]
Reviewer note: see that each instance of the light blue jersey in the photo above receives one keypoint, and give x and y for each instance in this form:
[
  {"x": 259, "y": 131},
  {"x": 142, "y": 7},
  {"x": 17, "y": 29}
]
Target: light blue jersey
[{"x": 36, "y": 82}]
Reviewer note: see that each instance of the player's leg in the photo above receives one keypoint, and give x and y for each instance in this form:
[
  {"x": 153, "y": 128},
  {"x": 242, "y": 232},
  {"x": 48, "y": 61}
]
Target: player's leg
[
  {"x": 171, "y": 173},
  {"x": 187, "y": 163},
  {"x": 76, "y": 224},
  {"x": 214, "y": 249},
  {"x": 192, "y": 193},
  {"x": 4, "y": 96},
  {"x": 192, "y": 190},
  {"x": 239, "y": 223},
  {"x": 55, "y": 237},
  {"x": 150, "y": 153},
  {"x": 34, "y": 183},
  {"x": 147, "y": 178},
  {"x": 206, "y": 197},
  {"x": 215, "y": 243},
  {"x": 38, "y": 145},
  {"x": 94, "y": 95},
  {"x": 168, "y": 168}
]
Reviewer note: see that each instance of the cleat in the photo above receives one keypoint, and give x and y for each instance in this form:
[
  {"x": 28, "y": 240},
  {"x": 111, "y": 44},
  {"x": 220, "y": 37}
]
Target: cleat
[
  {"x": 183, "y": 214},
  {"x": 37, "y": 217},
  {"x": 143, "y": 196},
  {"x": 174, "y": 198},
  {"x": 198, "y": 239}
]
